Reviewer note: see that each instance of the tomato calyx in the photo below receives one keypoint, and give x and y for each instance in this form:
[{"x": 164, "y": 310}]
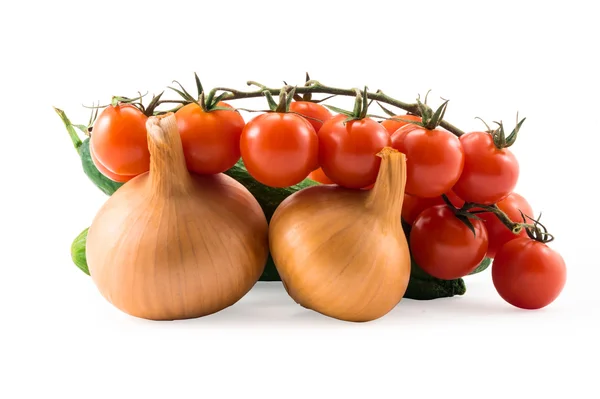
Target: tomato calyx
[
  {"x": 286, "y": 95},
  {"x": 208, "y": 102},
  {"x": 361, "y": 106},
  {"x": 430, "y": 119},
  {"x": 393, "y": 116},
  {"x": 536, "y": 230},
  {"x": 499, "y": 137},
  {"x": 462, "y": 213}
]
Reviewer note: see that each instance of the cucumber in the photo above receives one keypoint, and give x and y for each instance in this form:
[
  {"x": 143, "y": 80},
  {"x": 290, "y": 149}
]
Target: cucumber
[
  {"x": 106, "y": 185},
  {"x": 78, "y": 252},
  {"x": 268, "y": 198}
]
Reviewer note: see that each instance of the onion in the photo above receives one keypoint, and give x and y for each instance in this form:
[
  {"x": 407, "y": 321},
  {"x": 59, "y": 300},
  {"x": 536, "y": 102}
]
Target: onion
[
  {"x": 170, "y": 245},
  {"x": 342, "y": 252}
]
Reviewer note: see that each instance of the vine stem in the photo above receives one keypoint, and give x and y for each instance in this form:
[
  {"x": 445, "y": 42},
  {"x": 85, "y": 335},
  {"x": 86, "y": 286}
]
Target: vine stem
[
  {"x": 316, "y": 87},
  {"x": 515, "y": 227}
]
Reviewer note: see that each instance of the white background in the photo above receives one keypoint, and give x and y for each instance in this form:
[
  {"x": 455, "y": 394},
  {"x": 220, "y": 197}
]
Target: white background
[{"x": 60, "y": 338}]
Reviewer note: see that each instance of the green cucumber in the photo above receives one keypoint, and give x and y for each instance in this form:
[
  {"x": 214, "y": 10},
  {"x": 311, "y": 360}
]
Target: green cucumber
[
  {"x": 269, "y": 199},
  {"x": 78, "y": 252},
  {"x": 107, "y": 186}
]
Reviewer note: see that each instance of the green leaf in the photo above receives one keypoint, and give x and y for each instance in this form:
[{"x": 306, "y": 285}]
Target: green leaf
[
  {"x": 153, "y": 104},
  {"x": 387, "y": 111},
  {"x": 198, "y": 84},
  {"x": 69, "y": 126},
  {"x": 78, "y": 252},
  {"x": 482, "y": 266},
  {"x": 270, "y": 100},
  {"x": 338, "y": 110},
  {"x": 83, "y": 128}
]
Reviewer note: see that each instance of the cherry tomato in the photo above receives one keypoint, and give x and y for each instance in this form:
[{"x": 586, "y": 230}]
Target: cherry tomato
[
  {"x": 528, "y": 274},
  {"x": 316, "y": 113},
  {"x": 392, "y": 125},
  {"x": 102, "y": 169},
  {"x": 434, "y": 159},
  {"x": 279, "y": 149},
  {"x": 498, "y": 233},
  {"x": 444, "y": 246},
  {"x": 320, "y": 176},
  {"x": 489, "y": 174},
  {"x": 413, "y": 206},
  {"x": 119, "y": 141},
  {"x": 348, "y": 152},
  {"x": 211, "y": 140}
]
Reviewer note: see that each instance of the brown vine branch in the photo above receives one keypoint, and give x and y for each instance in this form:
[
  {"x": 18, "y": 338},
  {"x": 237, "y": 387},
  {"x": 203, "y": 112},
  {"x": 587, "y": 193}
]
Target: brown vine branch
[{"x": 316, "y": 87}]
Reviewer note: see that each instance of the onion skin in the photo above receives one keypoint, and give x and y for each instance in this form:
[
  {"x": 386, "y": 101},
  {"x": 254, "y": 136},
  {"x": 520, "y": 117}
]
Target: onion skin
[
  {"x": 169, "y": 245},
  {"x": 342, "y": 252}
]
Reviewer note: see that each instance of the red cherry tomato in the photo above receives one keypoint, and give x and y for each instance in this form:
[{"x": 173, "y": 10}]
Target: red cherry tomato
[
  {"x": 434, "y": 159},
  {"x": 119, "y": 140},
  {"x": 211, "y": 140},
  {"x": 413, "y": 206},
  {"x": 316, "y": 113},
  {"x": 319, "y": 176},
  {"x": 444, "y": 246},
  {"x": 489, "y": 173},
  {"x": 498, "y": 233},
  {"x": 528, "y": 274},
  {"x": 279, "y": 149},
  {"x": 348, "y": 150},
  {"x": 102, "y": 169},
  {"x": 393, "y": 125}
]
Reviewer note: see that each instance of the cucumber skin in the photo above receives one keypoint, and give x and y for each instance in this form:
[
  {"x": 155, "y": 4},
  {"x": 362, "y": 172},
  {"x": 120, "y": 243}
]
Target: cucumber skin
[
  {"x": 78, "y": 251},
  {"x": 106, "y": 185},
  {"x": 421, "y": 286}
]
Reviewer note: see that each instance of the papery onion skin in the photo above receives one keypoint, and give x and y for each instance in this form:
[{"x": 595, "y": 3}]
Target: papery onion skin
[
  {"x": 169, "y": 245},
  {"x": 343, "y": 252}
]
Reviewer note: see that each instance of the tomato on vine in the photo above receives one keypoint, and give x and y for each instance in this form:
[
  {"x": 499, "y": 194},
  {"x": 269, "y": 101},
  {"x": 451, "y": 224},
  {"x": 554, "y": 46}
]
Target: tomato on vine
[
  {"x": 210, "y": 140},
  {"x": 491, "y": 170},
  {"x": 528, "y": 274},
  {"x": 397, "y": 121},
  {"x": 102, "y": 169},
  {"x": 413, "y": 206},
  {"x": 118, "y": 142},
  {"x": 315, "y": 113},
  {"x": 319, "y": 176},
  {"x": 434, "y": 157},
  {"x": 444, "y": 246},
  {"x": 348, "y": 150},
  {"x": 279, "y": 149},
  {"x": 498, "y": 233}
]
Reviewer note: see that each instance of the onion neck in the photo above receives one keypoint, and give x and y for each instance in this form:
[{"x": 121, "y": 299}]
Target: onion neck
[
  {"x": 168, "y": 169},
  {"x": 387, "y": 195}
]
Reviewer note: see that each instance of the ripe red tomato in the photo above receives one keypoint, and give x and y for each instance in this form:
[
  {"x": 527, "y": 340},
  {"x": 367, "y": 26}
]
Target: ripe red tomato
[
  {"x": 434, "y": 159},
  {"x": 102, "y": 169},
  {"x": 528, "y": 274},
  {"x": 119, "y": 141},
  {"x": 498, "y": 233},
  {"x": 211, "y": 140},
  {"x": 489, "y": 174},
  {"x": 348, "y": 152},
  {"x": 392, "y": 125},
  {"x": 444, "y": 246},
  {"x": 279, "y": 149},
  {"x": 320, "y": 176},
  {"x": 316, "y": 113},
  {"x": 413, "y": 206}
]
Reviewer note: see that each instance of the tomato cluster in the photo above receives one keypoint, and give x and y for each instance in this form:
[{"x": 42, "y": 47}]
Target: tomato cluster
[{"x": 280, "y": 149}]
